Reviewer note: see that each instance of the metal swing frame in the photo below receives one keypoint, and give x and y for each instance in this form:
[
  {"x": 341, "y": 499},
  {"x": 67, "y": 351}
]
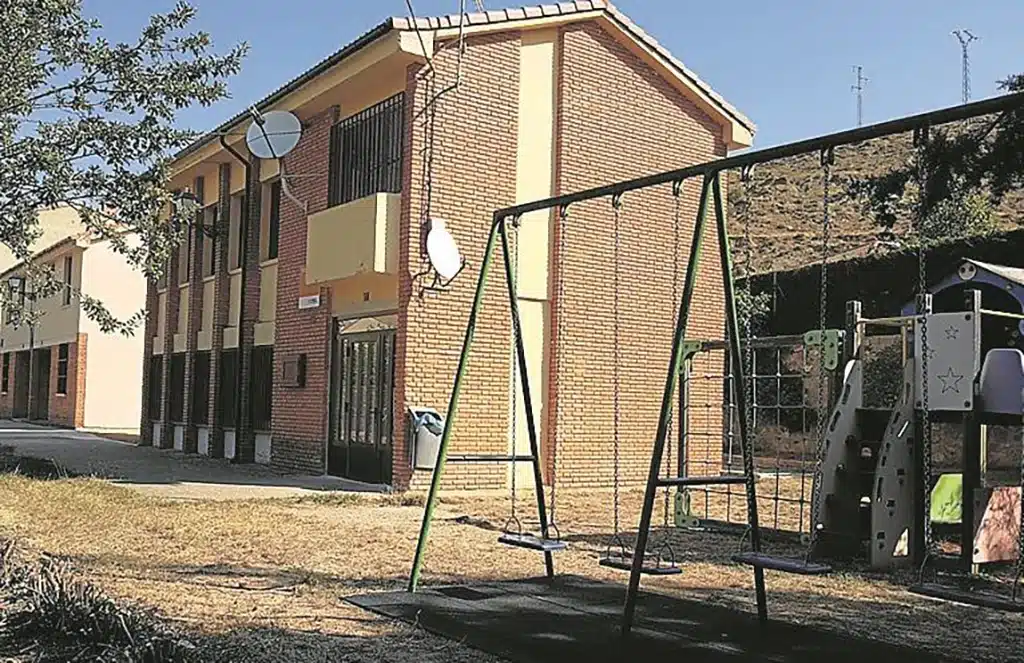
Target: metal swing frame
[{"x": 710, "y": 172}]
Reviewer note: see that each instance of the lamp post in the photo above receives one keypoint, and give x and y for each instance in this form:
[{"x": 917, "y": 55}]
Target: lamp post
[{"x": 19, "y": 284}]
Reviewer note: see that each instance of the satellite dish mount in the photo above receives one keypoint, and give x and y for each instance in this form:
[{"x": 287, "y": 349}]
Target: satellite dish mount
[
  {"x": 446, "y": 263},
  {"x": 272, "y": 135}
]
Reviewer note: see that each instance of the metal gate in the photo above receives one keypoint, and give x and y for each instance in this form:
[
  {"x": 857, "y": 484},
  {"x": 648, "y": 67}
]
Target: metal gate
[{"x": 362, "y": 396}]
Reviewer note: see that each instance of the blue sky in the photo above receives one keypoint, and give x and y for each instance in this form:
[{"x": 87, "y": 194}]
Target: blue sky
[{"x": 787, "y": 64}]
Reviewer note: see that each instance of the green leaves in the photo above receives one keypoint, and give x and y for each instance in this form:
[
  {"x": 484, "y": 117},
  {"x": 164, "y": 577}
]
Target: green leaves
[
  {"x": 90, "y": 124},
  {"x": 969, "y": 168}
]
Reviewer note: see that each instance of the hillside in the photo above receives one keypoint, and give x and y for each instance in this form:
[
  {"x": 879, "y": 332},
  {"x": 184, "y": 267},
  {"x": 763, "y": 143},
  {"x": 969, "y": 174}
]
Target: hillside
[{"x": 786, "y": 205}]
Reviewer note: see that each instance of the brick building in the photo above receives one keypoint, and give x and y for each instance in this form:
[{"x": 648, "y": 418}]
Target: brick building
[
  {"x": 46, "y": 338},
  {"x": 340, "y": 333}
]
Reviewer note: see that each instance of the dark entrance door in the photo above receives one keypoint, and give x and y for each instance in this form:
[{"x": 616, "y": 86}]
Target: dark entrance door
[
  {"x": 41, "y": 385},
  {"x": 21, "y": 365},
  {"x": 362, "y": 393}
]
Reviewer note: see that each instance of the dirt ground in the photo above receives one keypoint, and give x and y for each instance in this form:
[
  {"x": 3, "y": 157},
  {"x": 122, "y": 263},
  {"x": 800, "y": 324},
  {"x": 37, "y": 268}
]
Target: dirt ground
[{"x": 265, "y": 579}]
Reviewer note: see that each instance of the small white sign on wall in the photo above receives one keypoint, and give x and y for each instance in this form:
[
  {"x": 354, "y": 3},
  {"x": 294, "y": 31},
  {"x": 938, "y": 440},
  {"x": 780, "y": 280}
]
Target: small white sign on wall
[{"x": 310, "y": 301}]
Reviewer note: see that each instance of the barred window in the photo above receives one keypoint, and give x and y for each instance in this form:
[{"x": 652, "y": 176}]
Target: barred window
[{"x": 366, "y": 152}]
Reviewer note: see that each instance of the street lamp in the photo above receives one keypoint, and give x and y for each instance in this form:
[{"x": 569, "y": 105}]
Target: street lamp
[
  {"x": 18, "y": 284},
  {"x": 190, "y": 205}
]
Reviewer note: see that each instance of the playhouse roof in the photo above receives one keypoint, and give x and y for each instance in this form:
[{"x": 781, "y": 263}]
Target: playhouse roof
[{"x": 1004, "y": 277}]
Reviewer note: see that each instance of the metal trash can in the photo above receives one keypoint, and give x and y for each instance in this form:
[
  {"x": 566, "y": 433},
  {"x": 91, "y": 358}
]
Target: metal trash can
[{"x": 425, "y": 429}]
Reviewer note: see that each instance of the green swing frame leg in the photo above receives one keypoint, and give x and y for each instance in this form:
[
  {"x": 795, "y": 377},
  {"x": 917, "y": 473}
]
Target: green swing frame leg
[
  {"x": 498, "y": 228},
  {"x": 710, "y": 187}
]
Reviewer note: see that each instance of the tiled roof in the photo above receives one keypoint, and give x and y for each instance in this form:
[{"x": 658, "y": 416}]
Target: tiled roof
[
  {"x": 567, "y": 9},
  {"x": 492, "y": 17}
]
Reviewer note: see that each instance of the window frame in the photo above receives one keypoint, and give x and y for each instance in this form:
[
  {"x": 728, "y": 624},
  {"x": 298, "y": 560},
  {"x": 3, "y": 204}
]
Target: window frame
[
  {"x": 63, "y": 356},
  {"x": 271, "y": 228},
  {"x": 208, "y": 243},
  {"x": 261, "y": 378},
  {"x": 235, "y": 239},
  {"x": 5, "y": 375},
  {"x": 156, "y": 387},
  {"x": 185, "y": 256},
  {"x": 69, "y": 270},
  {"x": 201, "y": 373},
  {"x": 228, "y": 398},
  {"x": 176, "y": 390},
  {"x": 376, "y": 137}
]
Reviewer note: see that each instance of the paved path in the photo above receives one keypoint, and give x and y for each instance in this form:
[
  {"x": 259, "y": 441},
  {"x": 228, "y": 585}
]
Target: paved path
[{"x": 160, "y": 471}]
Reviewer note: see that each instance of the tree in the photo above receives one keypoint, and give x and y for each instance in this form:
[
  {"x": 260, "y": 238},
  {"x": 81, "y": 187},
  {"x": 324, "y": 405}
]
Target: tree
[
  {"x": 91, "y": 124},
  {"x": 968, "y": 170}
]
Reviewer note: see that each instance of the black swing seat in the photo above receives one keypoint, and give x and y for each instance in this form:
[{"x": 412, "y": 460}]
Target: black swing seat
[
  {"x": 531, "y": 542},
  {"x": 626, "y": 564},
  {"x": 957, "y": 595},
  {"x": 785, "y": 564}
]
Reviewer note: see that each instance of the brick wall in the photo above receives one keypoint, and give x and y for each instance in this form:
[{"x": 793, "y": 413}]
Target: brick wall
[
  {"x": 619, "y": 120},
  {"x": 616, "y": 119},
  {"x": 299, "y": 423},
  {"x": 170, "y": 329},
  {"x": 221, "y": 294},
  {"x": 245, "y": 441},
  {"x": 195, "y": 316},
  {"x": 69, "y": 409},
  {"x": 474, "y": 173},
  {"x": 146, "y": 425}
]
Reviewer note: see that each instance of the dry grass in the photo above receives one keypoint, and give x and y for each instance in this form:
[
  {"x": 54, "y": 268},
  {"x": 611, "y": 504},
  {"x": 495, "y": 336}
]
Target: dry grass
[{"x": 265, "y": 579}]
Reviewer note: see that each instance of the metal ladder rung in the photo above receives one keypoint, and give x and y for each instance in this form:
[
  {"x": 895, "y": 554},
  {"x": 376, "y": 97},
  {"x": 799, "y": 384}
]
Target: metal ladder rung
[
  {"x": 724, "y": 480},
  {"x": 485, "y": 458}
]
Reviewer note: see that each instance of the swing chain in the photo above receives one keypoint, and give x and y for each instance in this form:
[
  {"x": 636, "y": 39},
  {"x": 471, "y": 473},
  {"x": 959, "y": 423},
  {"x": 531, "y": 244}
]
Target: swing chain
[
  {"x": 828, "y": 159},
  {"x": 921, "y": 143},
  {"x": 1019, "y": 569},
  {"x": 677, "y": 189},
  {"x": 512, "y": 392},
  {"x": 746, "y": 177},
  {"x": 563, "y": 217},
  {"x": 616, "y": 207}
]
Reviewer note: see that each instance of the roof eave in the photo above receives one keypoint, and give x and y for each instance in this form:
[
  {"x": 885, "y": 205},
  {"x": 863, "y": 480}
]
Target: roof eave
[{"x": 367, "y": 38}]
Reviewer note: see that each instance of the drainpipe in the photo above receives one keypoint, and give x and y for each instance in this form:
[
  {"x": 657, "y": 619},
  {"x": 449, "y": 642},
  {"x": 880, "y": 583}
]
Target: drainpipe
[{"x": 243, "y": 228}]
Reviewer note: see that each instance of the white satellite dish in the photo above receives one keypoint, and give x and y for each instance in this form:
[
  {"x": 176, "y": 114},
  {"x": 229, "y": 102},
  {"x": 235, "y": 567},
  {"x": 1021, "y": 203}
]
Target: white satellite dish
[
  {"x": 273, "y": 135},
  {"x": 442, "y": 250}
]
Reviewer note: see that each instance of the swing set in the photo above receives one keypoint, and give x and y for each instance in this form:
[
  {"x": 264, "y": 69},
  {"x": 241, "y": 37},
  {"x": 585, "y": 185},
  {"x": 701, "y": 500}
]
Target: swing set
[{"x": 636, "y": 559}]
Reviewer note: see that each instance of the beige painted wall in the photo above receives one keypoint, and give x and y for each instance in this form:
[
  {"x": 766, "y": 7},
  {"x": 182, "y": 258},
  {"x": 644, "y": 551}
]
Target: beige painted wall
[
  {"x": 268, "y": 291},
  {"x": 54, "y": 225},
  {"x": 365, "y": 293},
  {"x": 57, "y": 322},
  {"x": 183, "y": 297},
  {"x": 161, "y": 322},
  {"x": 204, "y": 339},
  {"x": 234, "y": 297},
  {"x": 113, "y": 377},
  {"x": 354, "y": 238},
  {"x": 534, "y": 180}
]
